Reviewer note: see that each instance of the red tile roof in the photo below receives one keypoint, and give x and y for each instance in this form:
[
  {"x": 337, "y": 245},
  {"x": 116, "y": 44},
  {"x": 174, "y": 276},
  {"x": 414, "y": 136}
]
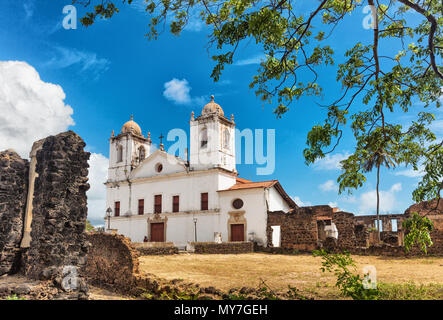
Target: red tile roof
[
  {"x": 241, "y": 180},
  {"x": 246, "y": 184}
]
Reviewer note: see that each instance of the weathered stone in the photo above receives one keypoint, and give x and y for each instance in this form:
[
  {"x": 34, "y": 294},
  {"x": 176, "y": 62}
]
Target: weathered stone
[
  {"x": 59, "y": 210},
  {"x": 13, "y": 192},
  {"x": 222, "y": 248}
]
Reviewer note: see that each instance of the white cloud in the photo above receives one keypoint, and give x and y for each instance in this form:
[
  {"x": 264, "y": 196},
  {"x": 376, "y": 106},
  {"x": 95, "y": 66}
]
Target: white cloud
[
  {"x": 98, "y": 172},
  {"x": 253, "y": 60},
  {"x": 28, "y": 6},
  {"x": 330, "y": 162},
  {"x": 437, "y": 126},
  {"x": 178, "y": 91},
  {"x": 30, "y": 109},
  {"x": 329, "y": 185},
  {"x": 411, "y": 173},
  {"x": 301, "y": 203},
  {"x": 368, "y": 200},
  {"x": 84, "y": 61},
  {"x": 333, "y": 204}
]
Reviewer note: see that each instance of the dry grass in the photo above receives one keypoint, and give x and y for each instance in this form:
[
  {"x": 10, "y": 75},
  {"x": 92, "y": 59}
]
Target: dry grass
[{"x": 279, "y": 271}]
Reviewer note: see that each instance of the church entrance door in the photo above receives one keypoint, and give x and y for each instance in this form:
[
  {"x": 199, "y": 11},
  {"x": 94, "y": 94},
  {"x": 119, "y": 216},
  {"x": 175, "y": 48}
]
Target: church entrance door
[
  {"x": 237, "y": 232},
  {"x": 157, "y": 232}
]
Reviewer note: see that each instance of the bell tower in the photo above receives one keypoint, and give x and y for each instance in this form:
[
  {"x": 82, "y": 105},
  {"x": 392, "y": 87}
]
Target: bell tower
[
  {"x": 127, "y": 150},
  {"x": 212, "y": 143}
]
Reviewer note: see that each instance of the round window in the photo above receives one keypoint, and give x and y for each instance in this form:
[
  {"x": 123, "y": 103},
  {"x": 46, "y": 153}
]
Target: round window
[
  {"x": 237, "y": 203},
  {"x": 158, "y": 167}
]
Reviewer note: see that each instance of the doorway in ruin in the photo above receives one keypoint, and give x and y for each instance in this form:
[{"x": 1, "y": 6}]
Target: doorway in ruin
[{"x": 276, "y": 236}]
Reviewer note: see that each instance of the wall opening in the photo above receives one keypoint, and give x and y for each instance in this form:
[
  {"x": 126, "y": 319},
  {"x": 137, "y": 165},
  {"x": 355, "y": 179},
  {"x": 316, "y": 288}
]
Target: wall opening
[{"x": 276, "y": 236}]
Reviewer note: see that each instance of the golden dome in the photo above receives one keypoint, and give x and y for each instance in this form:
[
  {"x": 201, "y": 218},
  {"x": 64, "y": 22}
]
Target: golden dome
[
  {"x": 132, "y": 127},
  {"x": 212, "y": 107}
]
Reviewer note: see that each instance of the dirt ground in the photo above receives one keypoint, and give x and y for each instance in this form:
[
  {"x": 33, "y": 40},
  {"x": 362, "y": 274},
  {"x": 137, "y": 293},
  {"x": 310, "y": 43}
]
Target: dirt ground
[{"x": 279, "y": 271}]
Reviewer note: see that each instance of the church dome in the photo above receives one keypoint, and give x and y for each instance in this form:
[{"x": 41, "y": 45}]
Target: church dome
[
  {"x": 132, "y": 126},
  {"x": 212, "y": 107}
]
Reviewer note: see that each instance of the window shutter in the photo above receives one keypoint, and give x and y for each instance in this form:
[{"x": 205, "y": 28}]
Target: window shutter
[
  {"x": 117, "y": 209},
  {"x": 175, "y": 204},
  {"x": 158, "y": 203},
  {"x": 141, "y": 206},
  {"x": 204, "y": 201}
]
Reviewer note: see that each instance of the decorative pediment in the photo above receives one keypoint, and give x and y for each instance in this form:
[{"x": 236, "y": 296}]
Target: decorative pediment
[{"x": 158, "y": 163}]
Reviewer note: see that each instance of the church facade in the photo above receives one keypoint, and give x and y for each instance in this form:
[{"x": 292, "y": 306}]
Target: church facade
[{"x": 158, "y": 197}]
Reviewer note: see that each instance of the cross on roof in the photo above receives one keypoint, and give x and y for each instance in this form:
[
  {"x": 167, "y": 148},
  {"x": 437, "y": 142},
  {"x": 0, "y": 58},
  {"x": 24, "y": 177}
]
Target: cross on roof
[{"x": 161, "y": 138}]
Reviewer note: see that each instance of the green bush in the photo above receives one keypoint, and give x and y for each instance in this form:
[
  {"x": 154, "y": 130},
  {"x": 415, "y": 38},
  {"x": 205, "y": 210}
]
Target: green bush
[{"x": 350, "y": 284}]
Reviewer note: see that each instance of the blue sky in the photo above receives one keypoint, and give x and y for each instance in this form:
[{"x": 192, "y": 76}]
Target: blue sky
[{"x": 110, "y": 70}]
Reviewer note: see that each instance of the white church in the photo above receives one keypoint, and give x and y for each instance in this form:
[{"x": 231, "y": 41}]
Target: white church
[{"x": 155, "y": 196}]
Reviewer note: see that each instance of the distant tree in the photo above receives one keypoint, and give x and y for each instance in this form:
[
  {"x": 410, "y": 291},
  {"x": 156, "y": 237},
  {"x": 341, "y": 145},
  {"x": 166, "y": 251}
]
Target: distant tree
[
  {"x": 417, "y": 230},
  {"x": 89, "y": 226},
  {"x": 372, "y": 151},
  {"x": 374, "y": 83}
]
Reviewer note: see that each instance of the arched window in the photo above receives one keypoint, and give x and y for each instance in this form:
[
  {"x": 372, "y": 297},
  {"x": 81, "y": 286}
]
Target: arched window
[
  {"x": 119, "y": 153},
  {"x": 141, "y": 154},
  {"x": 204, "y": 138},
  {"x": 226, "y": 139}
]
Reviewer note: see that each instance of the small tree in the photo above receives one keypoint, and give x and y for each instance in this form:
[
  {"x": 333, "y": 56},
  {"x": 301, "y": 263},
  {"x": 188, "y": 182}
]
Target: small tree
[
  {"x": 348, "y": 282},
  {"x": 417, "y": 232},
  {"x": 89, "y": 226}
]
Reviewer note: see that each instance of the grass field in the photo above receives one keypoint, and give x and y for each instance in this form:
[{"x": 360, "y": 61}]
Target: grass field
[{"x": 404, "y": 278}]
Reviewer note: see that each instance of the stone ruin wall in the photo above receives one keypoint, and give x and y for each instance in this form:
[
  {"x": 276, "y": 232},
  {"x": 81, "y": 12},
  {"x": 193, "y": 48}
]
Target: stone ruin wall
[
  {"x": 300, "y": 230},
  {"x": 13, "y": 193},
  {"x": 55, "y": 212}
]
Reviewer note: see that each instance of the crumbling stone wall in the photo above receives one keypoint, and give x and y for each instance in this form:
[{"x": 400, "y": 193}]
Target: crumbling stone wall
[
  {"x": 13, "y": 192},
  {"x": 59, "y": 211},
  {"x": 297, "y": 231},
  {"x": 156, "y": 248},
  {"x": 112, "y": 261},
  {"x": 345, "y": 224},
  {"x": 434, "y": 211},
  {"x": 223, "y": 248},
  {"x": 300, "y": 228},
  {"x": 113, "y": 264}
]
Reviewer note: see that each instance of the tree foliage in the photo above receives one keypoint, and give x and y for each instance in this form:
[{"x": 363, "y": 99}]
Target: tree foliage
[
  {"x": 417, "y": 232},
  {"x": 349, "y": 283},
  {"x": 377, "y": 81},
  {"x": 89, "y": 227}
]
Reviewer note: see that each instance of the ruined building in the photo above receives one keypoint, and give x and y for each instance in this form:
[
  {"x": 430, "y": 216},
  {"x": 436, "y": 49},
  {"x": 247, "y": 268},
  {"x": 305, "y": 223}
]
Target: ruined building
[{"x": 43, "y": 209}]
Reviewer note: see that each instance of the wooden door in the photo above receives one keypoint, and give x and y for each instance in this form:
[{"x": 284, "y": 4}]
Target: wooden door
[
  {"x": 157, "y": 232},
  {"x": 237, "y": 232}
]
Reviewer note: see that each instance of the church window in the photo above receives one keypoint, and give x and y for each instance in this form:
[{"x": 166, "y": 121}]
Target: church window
[
  {"x": 204, "y": 201},
  {"x": 119, "y": 153},
  {"x": 141, "y": 154},
  {"x": 204, "y": 138},
  {"x": 237, "y": 203},
  {"x": 227, "y": 138},
  {"x": 158, "y": 167},
  {"x": 117, "y": 208},
  {"x": 141, "y": 206},
  {"x": 158, "y": 203},
  {"x": 175, "y": 204}
]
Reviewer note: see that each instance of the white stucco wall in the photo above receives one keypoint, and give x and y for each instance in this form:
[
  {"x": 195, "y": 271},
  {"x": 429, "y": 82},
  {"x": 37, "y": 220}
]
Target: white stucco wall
[
  {"x": 255, "y": 211},
  {"x": 276, "y": 201}
]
